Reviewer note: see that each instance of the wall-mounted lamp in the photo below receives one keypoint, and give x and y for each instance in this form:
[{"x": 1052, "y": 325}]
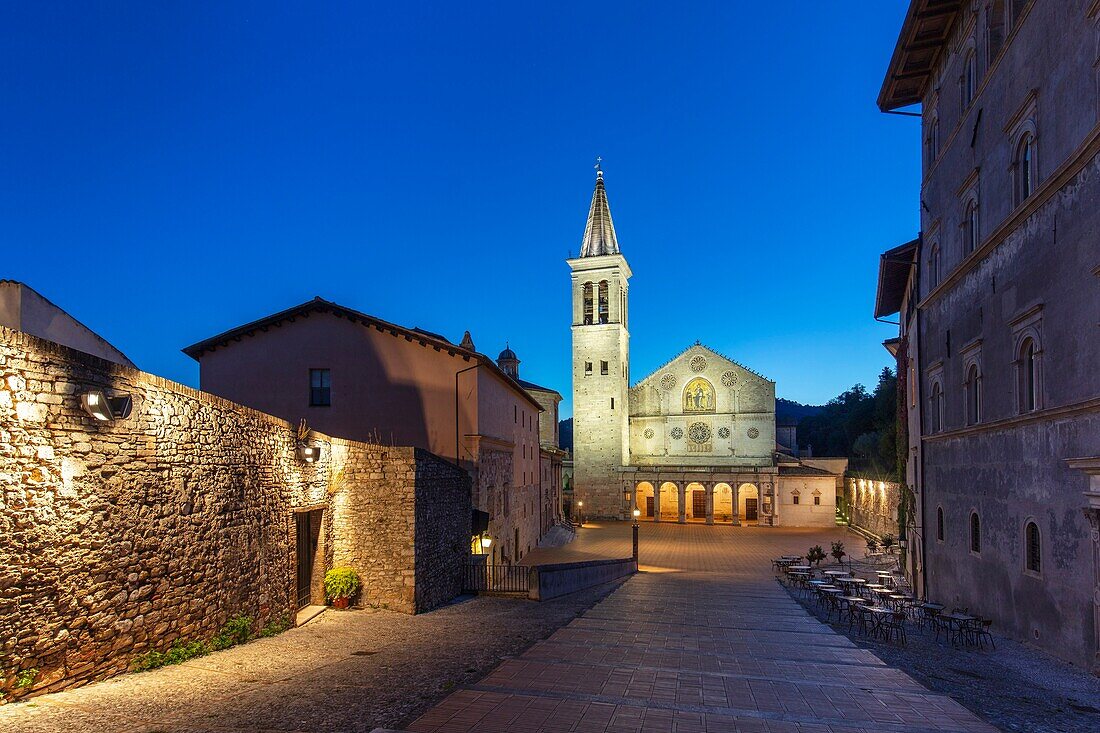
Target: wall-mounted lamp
[
  {"x": 309, "y": 453},
  {"x": 105, "y": 408},
  {"x": 486, "y": 543}
]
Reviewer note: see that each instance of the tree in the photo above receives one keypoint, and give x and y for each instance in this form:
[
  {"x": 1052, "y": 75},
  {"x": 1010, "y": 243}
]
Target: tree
[{"x": 859, "y": 425}]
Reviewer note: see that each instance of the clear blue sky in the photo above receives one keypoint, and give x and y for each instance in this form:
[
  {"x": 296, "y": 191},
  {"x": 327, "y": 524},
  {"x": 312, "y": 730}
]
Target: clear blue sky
[{"x": 171, "y": 170}]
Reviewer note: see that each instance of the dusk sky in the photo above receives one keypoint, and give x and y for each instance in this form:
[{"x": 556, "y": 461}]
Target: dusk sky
[{"x": 172, "y": 170}]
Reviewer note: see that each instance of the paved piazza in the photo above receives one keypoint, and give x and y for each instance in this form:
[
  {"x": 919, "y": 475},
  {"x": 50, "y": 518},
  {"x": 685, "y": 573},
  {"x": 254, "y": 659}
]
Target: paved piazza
[{"x": 703, "y": 640}]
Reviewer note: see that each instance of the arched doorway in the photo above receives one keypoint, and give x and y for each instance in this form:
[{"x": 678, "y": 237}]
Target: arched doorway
[
  {"x": 643, "y": 494},
  {"x": 723, "y": 503},
  {"x": 670, "y": 502},
  {"x": 749, "y": 499},
  {"x": 696, "y": 501}
]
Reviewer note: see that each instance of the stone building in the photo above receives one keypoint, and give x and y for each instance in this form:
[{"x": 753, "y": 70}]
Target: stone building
[
  {"x": 998, "y": 301},
  {"x": 550, "y": 453},
  {"x": 124, "y": 534},
  {"x": 693, "y": 441},
  {"x": 353, "y": 375}
]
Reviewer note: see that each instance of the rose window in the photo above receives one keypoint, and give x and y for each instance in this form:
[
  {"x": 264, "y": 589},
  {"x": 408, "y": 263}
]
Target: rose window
[
  {"x": 699, "y": 432},
  {"x": 723, "y": 433},
  {"x": 729, "y": 379},
  {"x": 698, "y": 363},
  {"x": 648, "y": 433},
  {"x": 668, "y": 381},
  {"x": 677, "y": 433},
  {"x": 754, "y": 433}
]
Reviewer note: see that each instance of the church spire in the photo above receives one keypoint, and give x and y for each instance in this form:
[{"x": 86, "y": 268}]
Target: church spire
[{"x": 599, "y": 232}]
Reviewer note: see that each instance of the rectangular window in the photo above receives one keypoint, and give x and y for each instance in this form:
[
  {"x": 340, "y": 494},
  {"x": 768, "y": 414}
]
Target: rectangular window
[
  {"x": 587, "y": 368},
  {"x": 603, "y": 368},
  {"x": 612, "y": 403},
  {"x": 794, "y": 499},
  {"x": 817, "y": 501},
  {"x": 320, "y": 388}
]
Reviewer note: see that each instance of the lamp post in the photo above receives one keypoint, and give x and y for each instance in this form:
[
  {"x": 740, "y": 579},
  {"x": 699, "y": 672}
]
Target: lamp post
[
  {"x": 634, "y": 530},
  {"x": 580, "y": 513}
]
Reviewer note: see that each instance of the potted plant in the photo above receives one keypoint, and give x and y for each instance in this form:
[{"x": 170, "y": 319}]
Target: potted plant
[
  {"x": 838, "y": 551},
  {"x": 887, "y": 542},
  {"x": 815, "y": 555},
  {"x": 872, "y": 545},
  {"x": 340, "y": 585}
]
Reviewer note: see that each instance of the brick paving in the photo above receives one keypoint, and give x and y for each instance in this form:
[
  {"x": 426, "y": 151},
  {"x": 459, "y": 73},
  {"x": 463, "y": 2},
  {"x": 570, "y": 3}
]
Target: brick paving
[{"x": 703, "y": 640}]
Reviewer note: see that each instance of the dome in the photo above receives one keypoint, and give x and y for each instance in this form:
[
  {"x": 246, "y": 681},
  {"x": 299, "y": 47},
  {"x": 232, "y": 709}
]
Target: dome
[{"x": 507, "y": 354}]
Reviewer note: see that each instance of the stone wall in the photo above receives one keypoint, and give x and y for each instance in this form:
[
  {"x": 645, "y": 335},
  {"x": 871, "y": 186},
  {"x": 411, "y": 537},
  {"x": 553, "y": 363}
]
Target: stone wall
[
  {"x": 873, "y": 506},
  {"x": 121, "y": 537}
]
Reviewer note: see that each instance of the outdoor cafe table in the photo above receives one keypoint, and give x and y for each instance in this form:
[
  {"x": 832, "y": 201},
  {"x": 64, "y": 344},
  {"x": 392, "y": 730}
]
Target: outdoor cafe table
[
  {"x": 878, "y": 615},
  {"x": 849, "y": 602},
  {"x": 849, "y": 583},
  {"x": 836, "y": 573},
  {"x": 929, "y": 612},
  {"x": 956, "y": 622},
  {"x": 800, "y": 568}
]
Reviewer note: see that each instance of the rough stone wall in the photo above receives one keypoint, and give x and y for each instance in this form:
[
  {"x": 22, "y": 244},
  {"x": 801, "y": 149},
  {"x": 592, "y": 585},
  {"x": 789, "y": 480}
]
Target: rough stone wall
[
  {"x": 873, "y": 506},
  {"x": 121, "y": 537},
  {"x": 442, "y": 530}
]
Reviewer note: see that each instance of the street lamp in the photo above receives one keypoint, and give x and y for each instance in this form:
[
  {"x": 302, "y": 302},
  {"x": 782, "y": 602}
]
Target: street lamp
[
  {"x": 486, "y": 543},
  {"x": 634, "y": 530},
  {"x": 580, "y": 512}
]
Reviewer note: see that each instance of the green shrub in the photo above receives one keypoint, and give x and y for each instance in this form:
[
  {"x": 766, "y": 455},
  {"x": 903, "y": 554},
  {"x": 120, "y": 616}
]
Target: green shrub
[
  {"x": 815, "y": 555},
  {"x": 237, "y": 630},
  {"x": 341, "y": 583},
  {"x": 26, "y": 677},
  {"x": 276, "y": 626},
  {"x": 838, "y": 551},
  {"x": 179, "y": 652},
  {"x": 887, "y": 541}
]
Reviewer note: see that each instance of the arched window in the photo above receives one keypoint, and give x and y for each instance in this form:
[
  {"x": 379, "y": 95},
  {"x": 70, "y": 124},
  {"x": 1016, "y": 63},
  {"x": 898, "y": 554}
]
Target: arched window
[
  {"x": 934, "y": 266},
  {"x": 1029, "y": 376},
  {"x": 933, "y": 140},
  {"x": 969, "y": 79},
  {"x": 975, "y": 533},
  {"x": 970, "y": 227},
  {"x": 935, "y": 408},
  {"x": 973, "y": 395},
  {"x": 996, "y": 28},
  {"x": 603, "y": 301},
  {"x": 1024, "y": 167},
  {"x": 1033, "y": 548},
  {"x": 939, "y": 523},
  {"x": 588, "y": 304}
]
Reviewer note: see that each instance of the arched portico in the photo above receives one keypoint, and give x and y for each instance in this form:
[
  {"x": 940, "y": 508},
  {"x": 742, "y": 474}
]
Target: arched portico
[
  {"x": 723, "y": 502},
  {"x": 696, "y": 503},
  {"x": 748, "y": 497},
  {"x": 644, "y": 499},
  {"x": 668, "y": 507}
]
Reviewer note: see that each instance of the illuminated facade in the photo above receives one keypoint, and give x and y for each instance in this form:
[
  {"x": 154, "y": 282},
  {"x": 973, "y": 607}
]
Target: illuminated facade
[{"x": 694, "y": 440}]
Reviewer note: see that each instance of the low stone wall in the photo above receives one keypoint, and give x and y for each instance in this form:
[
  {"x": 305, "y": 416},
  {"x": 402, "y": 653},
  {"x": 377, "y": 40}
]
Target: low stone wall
[
  {"x": 121, "y": 537},
  {"x": 873, "y": 506},
  {"x": 552, "y": 581}
]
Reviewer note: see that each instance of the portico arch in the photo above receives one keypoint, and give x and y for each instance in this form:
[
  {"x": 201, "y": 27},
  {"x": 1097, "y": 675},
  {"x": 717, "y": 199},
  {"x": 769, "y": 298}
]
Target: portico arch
[
  {"x": 749, "y": 502},
  {"x": 643, "y": 496},
  {"x": 723, "y": 502},
  {"x": 670, "y": 502},
  {"x": 695, "y": 503}
]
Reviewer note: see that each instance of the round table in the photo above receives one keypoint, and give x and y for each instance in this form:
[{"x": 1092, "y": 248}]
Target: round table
[{"x": 800, "y": 568}]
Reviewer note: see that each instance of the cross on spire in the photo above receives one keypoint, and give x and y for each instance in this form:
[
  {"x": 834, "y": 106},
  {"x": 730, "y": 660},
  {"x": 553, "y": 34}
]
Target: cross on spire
[{"x": 598, "y": 167}]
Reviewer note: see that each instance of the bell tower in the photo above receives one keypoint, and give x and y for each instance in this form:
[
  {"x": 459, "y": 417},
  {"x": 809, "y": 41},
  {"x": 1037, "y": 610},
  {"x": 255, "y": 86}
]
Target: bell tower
[{"x": 601, "y": 364}]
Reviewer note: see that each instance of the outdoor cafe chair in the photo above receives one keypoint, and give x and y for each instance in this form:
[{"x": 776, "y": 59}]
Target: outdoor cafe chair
[{"x": 894, "y": 626}]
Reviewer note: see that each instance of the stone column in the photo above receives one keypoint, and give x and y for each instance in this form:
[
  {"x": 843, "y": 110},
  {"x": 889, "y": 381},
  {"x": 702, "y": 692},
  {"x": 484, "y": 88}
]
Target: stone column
[
  {"x": 657, "y": 500},
  {"x": 682, "y": 488},
  {"x": 709, "y": 486},
  {"x": 736, "y": 486},
  {"x": 1093, "y": 515}
]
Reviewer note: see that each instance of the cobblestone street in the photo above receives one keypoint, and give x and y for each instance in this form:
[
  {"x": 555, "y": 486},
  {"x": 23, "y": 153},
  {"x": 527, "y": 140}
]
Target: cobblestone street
[{"x": 706, "y": 640}]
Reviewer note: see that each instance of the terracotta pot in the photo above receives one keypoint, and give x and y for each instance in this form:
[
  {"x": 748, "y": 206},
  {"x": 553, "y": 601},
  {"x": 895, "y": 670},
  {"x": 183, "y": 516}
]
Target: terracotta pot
[{"x": 340, "y": 603}]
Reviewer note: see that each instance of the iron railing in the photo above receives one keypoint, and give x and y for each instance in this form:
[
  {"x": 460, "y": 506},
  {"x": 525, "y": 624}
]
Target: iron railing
[{"x": 485, "y": 578}]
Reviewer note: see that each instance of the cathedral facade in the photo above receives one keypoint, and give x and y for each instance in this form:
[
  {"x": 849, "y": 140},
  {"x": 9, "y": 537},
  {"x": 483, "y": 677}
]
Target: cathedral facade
[{"x": 693, "y": 441}]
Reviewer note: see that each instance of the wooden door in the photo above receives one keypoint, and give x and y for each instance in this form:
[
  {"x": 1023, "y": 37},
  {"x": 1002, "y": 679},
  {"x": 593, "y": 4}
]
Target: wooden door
[
  {"x": 750, "y": 510},
  {"x": 698, "y": 503},
  {"x": 649, "y": 506}
]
